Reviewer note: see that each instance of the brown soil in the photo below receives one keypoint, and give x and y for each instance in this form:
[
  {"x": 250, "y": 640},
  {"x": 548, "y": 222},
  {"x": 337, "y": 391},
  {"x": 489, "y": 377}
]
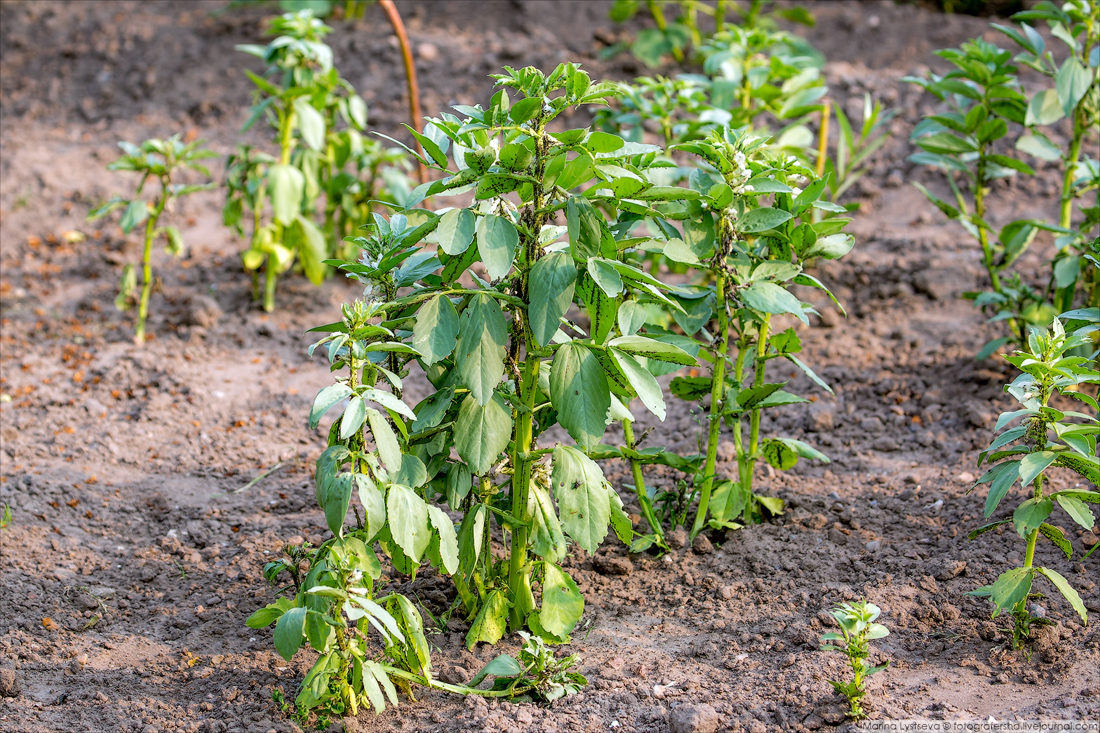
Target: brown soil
[{"x": 120, "y": 463}]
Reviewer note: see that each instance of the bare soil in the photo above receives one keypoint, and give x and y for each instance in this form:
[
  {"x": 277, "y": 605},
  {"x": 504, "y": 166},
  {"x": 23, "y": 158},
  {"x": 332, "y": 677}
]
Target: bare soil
[{"x": 134, "y": 556}]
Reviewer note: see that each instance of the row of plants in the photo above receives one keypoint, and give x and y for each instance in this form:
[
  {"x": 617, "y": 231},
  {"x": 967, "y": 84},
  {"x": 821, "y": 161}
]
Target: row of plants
[
  {"x": 734, "y": 206},
  {"x": 480, "y": 298},
  {"x": 993, "y": 128}
]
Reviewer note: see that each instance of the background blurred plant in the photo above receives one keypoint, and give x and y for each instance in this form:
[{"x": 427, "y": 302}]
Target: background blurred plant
[
  {"x": 684, "y": 35},
  {"x": 318, "y": 119},
  {"x": 969, "y": 142},
  {"x": 160, "y": 161}
]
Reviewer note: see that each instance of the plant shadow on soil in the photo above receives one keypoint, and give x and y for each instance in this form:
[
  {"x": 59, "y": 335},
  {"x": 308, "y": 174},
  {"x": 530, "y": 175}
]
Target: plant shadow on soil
[{"x": 130, "y": 566}]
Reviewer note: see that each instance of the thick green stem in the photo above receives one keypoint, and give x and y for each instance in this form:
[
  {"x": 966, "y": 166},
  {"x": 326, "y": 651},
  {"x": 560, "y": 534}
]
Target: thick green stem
[
  {"x": 1065, "y": 217},
  {"x": 519, "y": 578},
  {"x": 146, "y": 264},
  {"x": 271, "y": 277},
  {"x": 639, "y": 485},
  {"x": 717, "y": 391},
  {"x": 754, "y": 419}
]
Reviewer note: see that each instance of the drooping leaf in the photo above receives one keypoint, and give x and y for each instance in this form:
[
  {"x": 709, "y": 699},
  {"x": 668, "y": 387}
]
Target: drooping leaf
[
  {"x": 408, "y": 521},
  {"x": 290, "y": 631},
  {"x": 497, "y": 240},
  {"x": 482, "y": 340},
  {"x": 285, "y": 184},
  {"x": 562, "y": 602},
  {"x": 547, "y": 540},
  {"x": 580, "y": 489},
  {"x": 551, "y": 285},
  {"x": 482, "y": 432},
  {"x": 580, "y": 393},
  {"x": 491, "y": 621},
  {"x": 435, "y": 332}
]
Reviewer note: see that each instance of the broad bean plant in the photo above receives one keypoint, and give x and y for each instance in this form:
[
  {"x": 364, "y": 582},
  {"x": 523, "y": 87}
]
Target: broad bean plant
[
  {"x": 317, "y": 118},
  {"x": 986, "y": 106},
  {"x": 752, "y": 254},
  {"x": 161, "y": 161},
  {"x": 684, "y": 36},
  {"x": 1045, "y": 436}
]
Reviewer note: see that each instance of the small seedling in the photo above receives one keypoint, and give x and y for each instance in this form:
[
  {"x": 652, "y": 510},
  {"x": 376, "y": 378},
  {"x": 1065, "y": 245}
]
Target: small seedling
[
  {"x": 162, "y": 161},
  {"x": 857, "y": 630},
  {"x": 5, "y": 516},
  {"x": 536, "y": 675}
]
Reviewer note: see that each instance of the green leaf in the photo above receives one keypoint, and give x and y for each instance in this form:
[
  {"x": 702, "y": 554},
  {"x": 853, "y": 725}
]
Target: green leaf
[
  {"x": 832, "y": 247},
  {"x": 389, "y": 450},
  {"x": 525, "y": 109},
  {"x": 606, "y": 276},
  {"x": 408, "y": 521},
  {"x": 601, "y": 309},
  {"x": 482, "y": 340},
  {"x": 311, "y": 123},
  {"x": 586, "y": 229},
  {"x": 562, "y": 602},
  {"x": 551, "y": 285},
  {"x": 580, "y": 393},
  {"x": 175, "y": 241},
  {"x": 779, "y": 455},
  {"x": 448, "y": 540},
  {"x": 690, "y": 388},
  {"x": 482, "y": 431},
  {"x": 1004, "y": 475},
  {"x": 269, "y": 614},
  {"x": 312, "y": 249},
  {"x": 335, "y": 500},
  {"x": 1078, "y": 510},
  {"x": 1029, "y": 515},
  {"x": 289, "y": 632},
  {"x": 1055, "y": 535},
  {"x": 501, "y": 666},
  {"x": 547, "y": 540},
  {"x": 642, "y": 381},
  {"x": 412, "y": 473},
  {"x": 353, "y": 418},
  {"x": 1034, "y": 464},
  {"x": 497, "y": 240},
  {"x": 435, "y": 332},
  {"x": 1039, "y": 146},
  {"x": 389, "y": 401},
  {"x": 1072, "y": 82},
  {"x": 1044, "y": 109},
  {"x": 653, "y": 349},
  {"x": 1068, "y": 592},
  {"x": 326, "y": 399},
  {"x": 768, "y": 297},
  {"x": 136, "y": 212},
  {"x": 1011, "y": 588},
  {"x": 285, "y": 185},
  {"x": 455, "y": 231},
  {"x": 727, "y": 502},
  {"x": 491, "y": 622},
  {"x": 581, "y": 491},
  {"x": 374, "y": 505},
  {"x": 762, "y": 219}
]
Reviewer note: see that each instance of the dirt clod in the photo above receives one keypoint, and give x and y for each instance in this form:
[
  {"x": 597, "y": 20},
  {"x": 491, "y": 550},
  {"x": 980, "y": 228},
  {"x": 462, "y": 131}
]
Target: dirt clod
[
  {"x": 677, "y": 538},
  {"x": 700, "y": 718},
  {"x": 611, "y": 565},
  {"x": 10, "y": 685},
  {"x": 702, "y": 545}
]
